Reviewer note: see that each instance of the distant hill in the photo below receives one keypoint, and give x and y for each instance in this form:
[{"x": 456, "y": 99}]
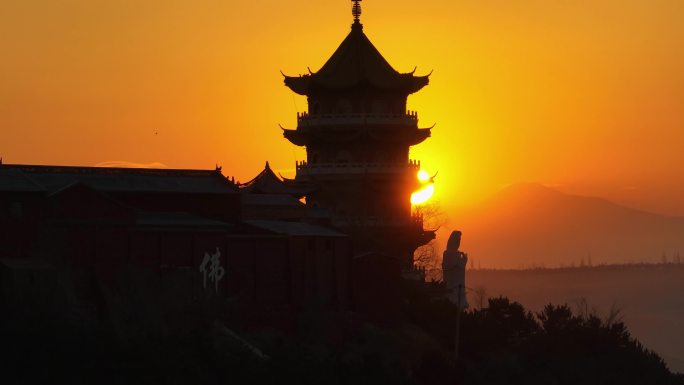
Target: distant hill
[{"x": 528, "y": 225}]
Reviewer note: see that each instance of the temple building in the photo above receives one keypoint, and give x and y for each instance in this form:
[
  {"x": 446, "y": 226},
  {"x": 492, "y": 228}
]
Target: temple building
[
  {"x": 100, "y": 242},
  {"x": 357, "y": 133}
]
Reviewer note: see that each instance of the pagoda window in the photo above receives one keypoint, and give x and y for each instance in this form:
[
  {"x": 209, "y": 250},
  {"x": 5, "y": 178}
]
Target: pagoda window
[
  {"x": 342, "y": 213},
  {"x": 344, "y": 106},
  {"x": 376, "y": 210},
  {"x": 16, "y": 210},
  {"x": 343, "y": 157},
  {"x": 382, "y": 156},
  {"x": 399, "y": 108},
  {"x": 372, "y": 156},
  {"x": 315, "y": 107},
  {"x": 380, "y": 106},
  {"x": 327, "y": 108}
]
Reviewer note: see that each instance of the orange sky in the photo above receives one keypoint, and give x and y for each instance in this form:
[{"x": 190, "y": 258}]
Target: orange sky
[{"x": 587, "y": 95}]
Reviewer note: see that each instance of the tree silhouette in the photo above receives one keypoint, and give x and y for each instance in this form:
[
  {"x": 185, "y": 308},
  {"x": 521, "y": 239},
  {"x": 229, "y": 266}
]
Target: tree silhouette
[{"x": 427, "y": 256}]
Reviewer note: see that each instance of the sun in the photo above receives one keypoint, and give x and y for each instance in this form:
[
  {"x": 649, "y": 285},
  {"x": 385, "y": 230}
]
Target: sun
[
  {"x": 426, "y": 190},
  {"x": 423, "y": 176}
]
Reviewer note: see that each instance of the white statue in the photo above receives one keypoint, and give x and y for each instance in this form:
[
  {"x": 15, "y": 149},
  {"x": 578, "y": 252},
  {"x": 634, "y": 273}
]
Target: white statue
[{"x": 453, "y": 270}]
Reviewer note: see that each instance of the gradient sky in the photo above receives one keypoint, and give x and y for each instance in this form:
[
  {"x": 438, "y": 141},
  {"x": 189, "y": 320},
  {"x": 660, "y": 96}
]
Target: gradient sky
[{"x": 584, "y": 95}]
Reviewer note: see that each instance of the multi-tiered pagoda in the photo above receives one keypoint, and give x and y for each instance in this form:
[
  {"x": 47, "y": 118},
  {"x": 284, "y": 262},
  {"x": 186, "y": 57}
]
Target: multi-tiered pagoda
[{"x": 357, "y": 133}]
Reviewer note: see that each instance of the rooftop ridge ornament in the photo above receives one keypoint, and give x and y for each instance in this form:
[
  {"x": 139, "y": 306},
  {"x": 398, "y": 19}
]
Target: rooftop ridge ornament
[{"x": 356, "y": 11}]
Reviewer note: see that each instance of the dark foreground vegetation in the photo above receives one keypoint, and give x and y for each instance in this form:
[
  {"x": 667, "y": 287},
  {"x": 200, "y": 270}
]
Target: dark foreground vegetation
[
  {"x": 500, "y": 344},
  {"x": 648, "y": 295}
]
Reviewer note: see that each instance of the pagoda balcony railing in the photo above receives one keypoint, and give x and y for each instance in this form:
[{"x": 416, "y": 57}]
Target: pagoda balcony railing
[
  {"x": 414, "y": 221},
  {"x": 306, "y": 120},
  {"x": 306, "y": 169}
]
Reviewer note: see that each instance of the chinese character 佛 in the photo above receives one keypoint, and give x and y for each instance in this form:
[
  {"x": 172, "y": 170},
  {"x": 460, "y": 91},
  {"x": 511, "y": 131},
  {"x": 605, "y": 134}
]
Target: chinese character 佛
[{"x": 211, "y": 267}]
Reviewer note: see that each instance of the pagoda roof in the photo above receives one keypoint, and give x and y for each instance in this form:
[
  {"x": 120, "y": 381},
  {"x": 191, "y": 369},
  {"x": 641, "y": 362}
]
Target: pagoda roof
[
  {"x": 302, "y": 137},
  {"x": 267, "y": 182},
  {"x": 356, "y": 63}
]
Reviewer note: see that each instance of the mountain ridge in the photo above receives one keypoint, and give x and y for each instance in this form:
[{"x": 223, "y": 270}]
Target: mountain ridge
[{"x": 531, "y": 224}]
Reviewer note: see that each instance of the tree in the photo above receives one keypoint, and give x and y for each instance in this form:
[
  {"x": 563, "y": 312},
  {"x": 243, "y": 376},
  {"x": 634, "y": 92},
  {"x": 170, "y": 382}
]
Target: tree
[
  {"x": 427, "y": 256},
  {"x": 480, "y": 296}
]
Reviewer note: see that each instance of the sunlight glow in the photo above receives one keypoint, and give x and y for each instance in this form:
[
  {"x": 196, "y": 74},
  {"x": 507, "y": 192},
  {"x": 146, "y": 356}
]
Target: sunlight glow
[
  {"x": 423, "y": 176},
  {"x": 422, "y": 195}
]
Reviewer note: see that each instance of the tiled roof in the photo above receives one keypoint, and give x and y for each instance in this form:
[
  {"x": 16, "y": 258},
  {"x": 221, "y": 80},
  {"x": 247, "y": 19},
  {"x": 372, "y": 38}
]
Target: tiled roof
[
  {"x": 52, "y": 178},
  {"x": 267, "y": 182},
  {"x": 294, "y": 228},
  {"x": 177, "y": 219}
]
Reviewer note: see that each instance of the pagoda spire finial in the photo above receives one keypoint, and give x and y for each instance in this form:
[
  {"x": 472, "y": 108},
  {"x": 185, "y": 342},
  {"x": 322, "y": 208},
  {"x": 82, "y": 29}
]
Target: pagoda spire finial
[{"x": 356, "y": 11}]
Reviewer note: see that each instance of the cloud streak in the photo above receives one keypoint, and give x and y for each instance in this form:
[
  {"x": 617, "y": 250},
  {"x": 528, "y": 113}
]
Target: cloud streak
[{"x": 126, "y": 164}]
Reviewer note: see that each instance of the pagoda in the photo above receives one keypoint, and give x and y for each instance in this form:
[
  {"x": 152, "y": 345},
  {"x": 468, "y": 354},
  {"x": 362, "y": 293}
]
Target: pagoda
[{"x": 357, "y": 133}]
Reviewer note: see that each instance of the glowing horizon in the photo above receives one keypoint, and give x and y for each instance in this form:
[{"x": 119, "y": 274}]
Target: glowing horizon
[{"x": 423, "y": 194}]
